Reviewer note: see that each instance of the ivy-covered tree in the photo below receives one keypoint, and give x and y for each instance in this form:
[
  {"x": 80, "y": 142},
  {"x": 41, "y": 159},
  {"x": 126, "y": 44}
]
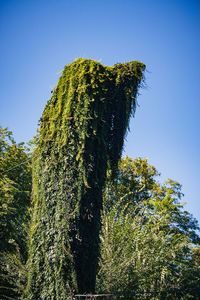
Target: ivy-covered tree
[
  {"x": 15, "y": 194},
  {"x": 81, "y": 133}
]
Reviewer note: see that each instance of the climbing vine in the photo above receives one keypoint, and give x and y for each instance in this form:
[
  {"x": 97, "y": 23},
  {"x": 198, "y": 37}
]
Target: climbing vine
[{"x": 82, "y": 131}]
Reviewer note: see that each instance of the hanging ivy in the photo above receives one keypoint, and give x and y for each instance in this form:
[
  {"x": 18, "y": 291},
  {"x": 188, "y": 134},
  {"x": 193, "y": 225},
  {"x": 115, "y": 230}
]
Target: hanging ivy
[{"x": 82, "y": 131}]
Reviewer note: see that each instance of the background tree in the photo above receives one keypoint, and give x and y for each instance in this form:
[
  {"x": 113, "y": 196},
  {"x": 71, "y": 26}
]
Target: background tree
[
  {"x": 81, "y": 132},
  {"x": 138, "y": 181},
  {"x": 15, "y": 191},
  {"x": 147, "y": 239}
]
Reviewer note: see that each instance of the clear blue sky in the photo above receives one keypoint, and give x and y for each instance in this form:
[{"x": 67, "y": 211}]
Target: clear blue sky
[{"x": 38, "y": 37}]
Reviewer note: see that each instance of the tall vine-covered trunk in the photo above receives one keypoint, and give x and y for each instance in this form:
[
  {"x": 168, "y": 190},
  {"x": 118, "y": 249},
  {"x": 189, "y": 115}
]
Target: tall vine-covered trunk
[{"x": 82, "y": 131}]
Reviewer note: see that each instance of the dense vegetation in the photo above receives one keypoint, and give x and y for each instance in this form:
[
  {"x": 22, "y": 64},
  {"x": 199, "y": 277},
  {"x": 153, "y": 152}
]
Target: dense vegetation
[
  {"x": 81, "y": 133},
  {"x": 15, "y": 194},
  {"x": 148, "y": 241},
  {"x": 81, "y": 189}
]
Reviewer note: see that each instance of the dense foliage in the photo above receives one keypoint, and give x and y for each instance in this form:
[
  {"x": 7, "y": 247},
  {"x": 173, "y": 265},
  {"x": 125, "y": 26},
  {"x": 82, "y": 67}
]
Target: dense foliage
[
  {"x": 15, "y": 193},
  {"x": 148, "y": 242},
  {"x": 81, "y": 133}
]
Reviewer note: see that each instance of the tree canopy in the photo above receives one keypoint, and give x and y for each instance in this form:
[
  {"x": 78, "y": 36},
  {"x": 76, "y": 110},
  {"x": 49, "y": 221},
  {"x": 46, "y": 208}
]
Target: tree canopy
[{"x": 148, "y": 241}]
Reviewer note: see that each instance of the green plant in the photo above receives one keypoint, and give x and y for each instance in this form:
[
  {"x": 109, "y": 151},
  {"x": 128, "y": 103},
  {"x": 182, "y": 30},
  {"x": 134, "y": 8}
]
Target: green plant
[
  {"x": 15, "y": 194},
  {"x": 147, "y": 239},
  {"x": 81, "y": 133}
]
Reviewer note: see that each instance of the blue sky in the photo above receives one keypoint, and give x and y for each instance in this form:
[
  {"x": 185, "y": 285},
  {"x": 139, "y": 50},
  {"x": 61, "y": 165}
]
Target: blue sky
[{"x": 37, "y": 38}]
